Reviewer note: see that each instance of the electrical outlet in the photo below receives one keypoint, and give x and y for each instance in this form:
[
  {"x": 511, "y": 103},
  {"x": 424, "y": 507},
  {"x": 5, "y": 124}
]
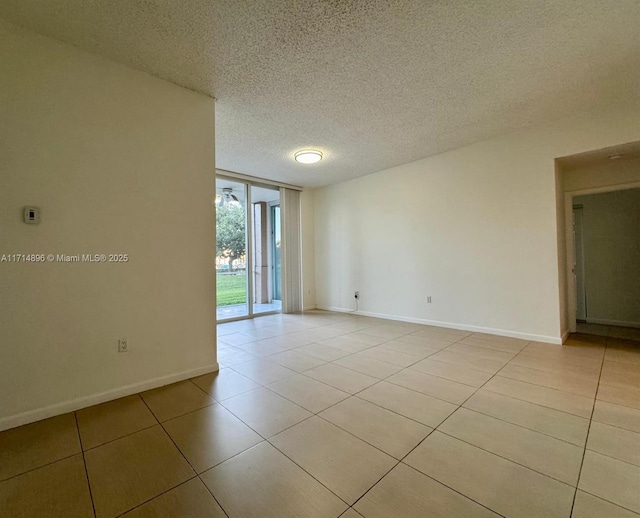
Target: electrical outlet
[
  {"x": 123, "y": 345},
  {"x": 357, "y": 294},
  {"x": 428, "y": 301}
]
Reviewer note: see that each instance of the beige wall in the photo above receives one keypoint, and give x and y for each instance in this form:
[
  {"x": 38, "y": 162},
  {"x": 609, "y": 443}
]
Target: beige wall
[
  {"x": 475, "y": 228},
  {"x": 119, "y": 162},
  {"x": 611, "y": 244}
]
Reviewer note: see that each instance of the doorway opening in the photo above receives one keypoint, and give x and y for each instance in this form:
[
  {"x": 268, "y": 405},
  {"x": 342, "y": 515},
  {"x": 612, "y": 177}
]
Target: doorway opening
[
  {"x": 248, "y": 267},
  {"x": 598, "y": 197}
]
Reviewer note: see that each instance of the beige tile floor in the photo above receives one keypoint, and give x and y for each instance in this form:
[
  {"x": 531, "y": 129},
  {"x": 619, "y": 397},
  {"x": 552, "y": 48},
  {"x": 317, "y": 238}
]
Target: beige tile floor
[{"x": 327, "y": 415}]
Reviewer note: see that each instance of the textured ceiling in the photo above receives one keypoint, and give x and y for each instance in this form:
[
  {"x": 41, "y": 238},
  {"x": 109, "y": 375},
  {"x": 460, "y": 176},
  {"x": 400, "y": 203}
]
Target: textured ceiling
[{"x": 371, "y": 83}]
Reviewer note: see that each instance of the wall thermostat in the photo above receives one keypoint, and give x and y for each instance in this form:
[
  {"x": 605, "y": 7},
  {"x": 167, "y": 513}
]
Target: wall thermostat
[{"x": 32, "y": 215}]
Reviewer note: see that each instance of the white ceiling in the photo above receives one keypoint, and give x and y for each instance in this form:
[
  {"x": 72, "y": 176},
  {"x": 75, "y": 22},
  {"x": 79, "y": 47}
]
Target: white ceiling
[{"x": 372, "y": 83}]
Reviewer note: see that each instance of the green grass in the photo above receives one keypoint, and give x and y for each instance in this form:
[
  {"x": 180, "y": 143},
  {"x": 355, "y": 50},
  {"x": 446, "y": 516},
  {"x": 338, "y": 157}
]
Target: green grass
[{"x": 231, "y": 289}]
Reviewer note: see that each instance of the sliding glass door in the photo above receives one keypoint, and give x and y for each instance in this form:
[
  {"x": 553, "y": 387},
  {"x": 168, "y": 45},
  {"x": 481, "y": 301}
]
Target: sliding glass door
[
  {"x": 232, "y": 281},
  {"x": 247, "y": 249}
]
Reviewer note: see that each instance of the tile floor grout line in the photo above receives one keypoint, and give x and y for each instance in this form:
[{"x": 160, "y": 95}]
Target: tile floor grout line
[
  {"x": 634, "y": 513},
  {"x": 303, "y": 469},
  {"x": 526, "y": 427},
  {"x": 196, "y": 475},
  {"x": 156, "y": 496},
  {"x": 31, "y": 470},
  {"x": 84, "y": 463},
  {"x": 586, "y": 441}
]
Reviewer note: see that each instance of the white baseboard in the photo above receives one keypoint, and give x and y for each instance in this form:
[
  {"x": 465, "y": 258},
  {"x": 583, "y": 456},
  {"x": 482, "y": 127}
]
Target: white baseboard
[
  {"x": 451, "y": 325},
  {"x": 565, "y": 335},
  {"x": 606, "y": 322},
  {"x": 76, "y": 404},
  {"x": 310, "y": 307}
]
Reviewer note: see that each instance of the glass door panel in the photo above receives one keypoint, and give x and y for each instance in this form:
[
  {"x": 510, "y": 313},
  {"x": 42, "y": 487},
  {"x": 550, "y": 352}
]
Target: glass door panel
[
  {"x": 232, "y": 281},
  {"x": 265, "y": 266}
]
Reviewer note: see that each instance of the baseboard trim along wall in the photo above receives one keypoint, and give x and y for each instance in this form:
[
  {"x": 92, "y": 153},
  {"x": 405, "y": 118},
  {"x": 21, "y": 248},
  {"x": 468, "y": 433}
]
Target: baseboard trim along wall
[
  {"x": 605, "y": 322},
  {"x": 76, "y": 404},
  {"x": 450, "y": 325}
]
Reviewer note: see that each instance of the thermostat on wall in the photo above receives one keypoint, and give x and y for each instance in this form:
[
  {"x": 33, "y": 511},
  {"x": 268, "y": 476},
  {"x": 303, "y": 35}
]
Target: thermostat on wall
[{"x": 32, "y": 215}]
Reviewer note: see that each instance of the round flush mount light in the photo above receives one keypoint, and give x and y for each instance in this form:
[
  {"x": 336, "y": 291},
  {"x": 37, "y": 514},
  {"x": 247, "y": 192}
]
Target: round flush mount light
[{"x": 308, "y": 156}]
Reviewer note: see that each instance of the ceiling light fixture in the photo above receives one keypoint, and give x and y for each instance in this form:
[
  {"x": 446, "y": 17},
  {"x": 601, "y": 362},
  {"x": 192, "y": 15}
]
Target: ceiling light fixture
[
  {"x": 308, "y": 156},
  {"x": 615, "y": 157}
]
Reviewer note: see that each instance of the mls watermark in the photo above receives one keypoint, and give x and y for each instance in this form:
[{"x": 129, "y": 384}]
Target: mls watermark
[{"x": 64, "y": 258}]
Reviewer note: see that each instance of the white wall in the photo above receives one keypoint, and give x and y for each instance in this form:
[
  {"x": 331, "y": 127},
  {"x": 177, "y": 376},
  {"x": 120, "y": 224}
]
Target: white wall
[
  {"x": 611, "y": 243},
  {"x": 475, "y": 228},
  {"x": 119, "y": 162}
]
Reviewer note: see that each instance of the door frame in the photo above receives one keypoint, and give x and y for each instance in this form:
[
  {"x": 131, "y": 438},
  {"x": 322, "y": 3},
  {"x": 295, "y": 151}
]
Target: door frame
[{"x": 571, "y": 302}]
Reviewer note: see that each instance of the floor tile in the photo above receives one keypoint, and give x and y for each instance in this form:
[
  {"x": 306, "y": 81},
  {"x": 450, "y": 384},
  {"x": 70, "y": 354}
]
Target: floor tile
[
  {"x": 369, "y": 366},
  {"x": 224, "y": 384},
  {"x": 37, "y": 444},
  {"x": 340, "y": 461},
  {"x": 346, "y": 344},
  {"x": 467, "y": 360},
  {"x": 617, "y": 415},
  {"x": 365, "y": 338},
  {"x": 296, "y": 360},
  {"x": 103, "y": 423},
  {"x": 265, "y": 411},
  {"x": 459, "y": 373},
  {"x": 129, "y": 471},
  {"x": 236, "y": 339},
  {"x": 615, "y": 442},
  {"x": 383, "y": 354},
  {"x": 497, "y": 345},
  {"x": 440, "y": 388},
  {"x": 625, "y": 395},
  {"x": 414, "y": 349},
  {"x": 561, "y": 460},
  {"x": 482, "y": 353},
  {"x": 424, "y": 341},
  {"x": 564, "y": 382},
  {"x": 628, "y": 355},
  {"x": 323, "y": 352},
  {"x": 611, "y": 480},
  {"x": 58, "y": 489},
  {"x": 351, "y": 513},
  {"x": 341, "y": 378},
  {"x": 589, "y": 506},
  {"x": 557, "y": 365},
  {"x": 210, "y": 435},
  {"x": 176, "y": 399},
  {"x": 263, "y": 371},
  {"x": 552, "y": 398},
  {"x": 189, "y": 500},
  {"x": 409, "y": 403},
  {"x": 407, "y": 493},
  {"x": 230, "y": 355},
  {"x": 386, "y": 430},
  {"x": 262, "y": 483},
  {"x": 499, "y": 484},
  {"x": 567, "y": 427},
  {"x": 308, "y": 393}
]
